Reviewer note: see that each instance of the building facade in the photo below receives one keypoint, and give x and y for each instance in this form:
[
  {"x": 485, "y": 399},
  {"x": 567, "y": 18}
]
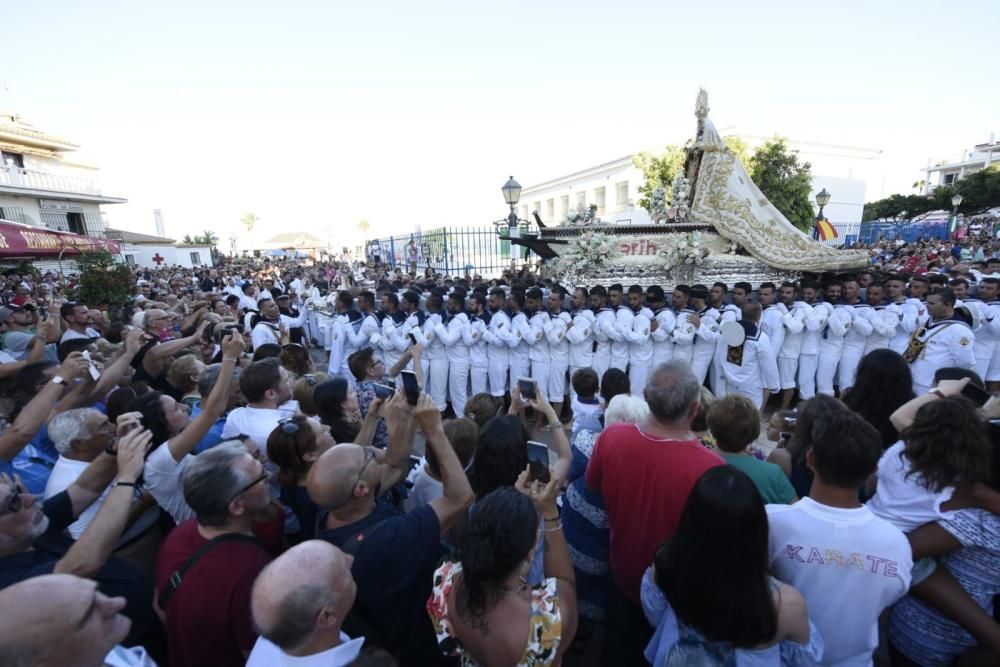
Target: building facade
[
  {"x": 44, "y": 185},
  {"x": 155, "y": 251},
  {"x": 946, "y": 172}
]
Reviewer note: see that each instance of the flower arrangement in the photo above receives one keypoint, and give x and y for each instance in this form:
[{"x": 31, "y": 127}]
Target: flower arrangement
[
  {"x": 583, "y": 217},
  {"x": 590, "y": 250},
  {"x": 680, "y": 194},
  {"x": 658, "y": 205},
  {"x": 683, "y": 250}
]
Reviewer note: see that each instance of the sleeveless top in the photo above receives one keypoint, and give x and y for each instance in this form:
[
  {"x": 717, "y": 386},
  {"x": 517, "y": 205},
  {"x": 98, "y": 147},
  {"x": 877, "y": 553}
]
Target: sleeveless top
[{"x": 545, "y": 628}]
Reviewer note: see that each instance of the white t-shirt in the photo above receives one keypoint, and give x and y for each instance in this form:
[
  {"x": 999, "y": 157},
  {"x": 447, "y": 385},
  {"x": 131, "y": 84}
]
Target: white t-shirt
[
  {"x": 848, "y": 564},
  {"x": 163, "y": 481},
  {"x": 64, "y": 473},
  {"x": 257, "y": 422},
  {"x": 425, "y": 488},
  {"x": 266, "y": 654},
  {"x": 903, "y": 500}
]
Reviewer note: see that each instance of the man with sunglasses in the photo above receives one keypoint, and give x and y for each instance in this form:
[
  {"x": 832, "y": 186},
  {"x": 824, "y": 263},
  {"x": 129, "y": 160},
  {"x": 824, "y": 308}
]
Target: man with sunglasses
[
  {"x": 204, "y": 591},
  {"x": 32, "y": 541}
]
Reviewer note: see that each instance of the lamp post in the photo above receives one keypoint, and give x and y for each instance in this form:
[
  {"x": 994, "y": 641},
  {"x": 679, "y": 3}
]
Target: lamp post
[
  {"x": 511, "y": 194},
  {"x": 822, "y": 199},
  {"x": 956, "y": 201}
]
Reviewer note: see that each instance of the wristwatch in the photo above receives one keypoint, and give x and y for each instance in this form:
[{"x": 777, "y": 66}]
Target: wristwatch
[{"x": 58, "y": 379}]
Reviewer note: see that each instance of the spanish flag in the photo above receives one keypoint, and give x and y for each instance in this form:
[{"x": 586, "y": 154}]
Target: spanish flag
[{"x": 825, "y": 230}]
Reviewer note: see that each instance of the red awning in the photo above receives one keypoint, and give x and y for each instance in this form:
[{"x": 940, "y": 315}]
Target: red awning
[{"x": 26, "y": 241}]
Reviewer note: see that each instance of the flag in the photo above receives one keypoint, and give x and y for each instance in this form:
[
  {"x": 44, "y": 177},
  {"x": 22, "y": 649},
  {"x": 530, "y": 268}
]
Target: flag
[
  {"x": 825, "y": 230},
  {"x": 953, "y": 224}
]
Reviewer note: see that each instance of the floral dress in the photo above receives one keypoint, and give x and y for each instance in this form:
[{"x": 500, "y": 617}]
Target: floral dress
[{"x": 545, "y": 627}]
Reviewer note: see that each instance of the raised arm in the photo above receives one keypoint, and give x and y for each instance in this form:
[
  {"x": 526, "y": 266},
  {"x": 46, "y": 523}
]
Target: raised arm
[
  {"x": 92, "y": 550},
  {"x": 116, "y": 371},
  {"x": 172, "y": 347},
  {"x": 907, "y": 412},
  {"x": 401, "y": 427},
  {"x": 457, "y": 493},
  {"x": 184, "y": 442}
]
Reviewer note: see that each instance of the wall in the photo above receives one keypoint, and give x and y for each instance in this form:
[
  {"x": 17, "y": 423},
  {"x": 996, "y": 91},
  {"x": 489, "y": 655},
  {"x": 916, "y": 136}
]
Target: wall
[
  {"x": 28, "y": 210},
  {"x": 587, "y": 183}
]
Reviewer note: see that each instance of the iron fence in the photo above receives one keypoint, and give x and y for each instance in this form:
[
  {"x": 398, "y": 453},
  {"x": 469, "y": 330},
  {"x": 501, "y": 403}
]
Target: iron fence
[
  {"x": 454, "y": 251},
  {"x": 872, "y": 232}
]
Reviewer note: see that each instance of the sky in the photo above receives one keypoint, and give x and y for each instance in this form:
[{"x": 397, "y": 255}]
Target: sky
[{"x": 315, "y": 115}]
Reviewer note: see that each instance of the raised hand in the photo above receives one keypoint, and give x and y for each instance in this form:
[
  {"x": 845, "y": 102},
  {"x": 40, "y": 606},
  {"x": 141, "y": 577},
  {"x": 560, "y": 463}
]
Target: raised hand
[{"x": 428, "y": 416}]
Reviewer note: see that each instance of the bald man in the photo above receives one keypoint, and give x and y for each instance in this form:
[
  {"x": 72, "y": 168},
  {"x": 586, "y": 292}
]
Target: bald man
[
  {"x": 67, "y": 622},
  {"x": 299, "y": 604},
  {"x": 395, "y": 553}
]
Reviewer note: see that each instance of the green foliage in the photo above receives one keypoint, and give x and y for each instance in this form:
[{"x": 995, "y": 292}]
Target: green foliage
[
  {"x": 249, "y": 220},
  {"x": 980, "y": 191},
  {"x": 187, "y": 240},
  {"x": 659, "y": 170},
  {"x": 363, "y": 226},
  {"x": 103, "y": 281},
  {"x": 26, "y": 268},
  {"x": 785, "y": 181},
  {"x": 207, "y": 238}
]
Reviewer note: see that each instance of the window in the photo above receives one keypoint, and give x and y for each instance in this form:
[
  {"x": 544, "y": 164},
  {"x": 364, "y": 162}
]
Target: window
[
  {"x": 15, "y": 158},
  {"x": 550, "y": 209},
  {"x": 12, "y": 213},
  {"x": 621, "y": 196},
  {"x": 949, "y": 179},
  {"x": 581, "y": 200},
  {"x": 130, "y": 260},
  {"x": 599, "y": 200},
  {"x": 75, "y": 223},
  {"x": 564, "y": 203},
  {"x": 524, "y": 211},
  {"x": 196, "y": 259}
]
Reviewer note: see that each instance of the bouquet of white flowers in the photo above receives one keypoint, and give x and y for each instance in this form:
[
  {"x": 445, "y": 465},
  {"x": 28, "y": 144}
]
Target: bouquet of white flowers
[
  {"x": 683, "y": 250},
  {"x": 590, "y": 250},
  {"x": 658, "y": 205},
  {"x": 583, "y": 216},
  {"x": 680, "y": 192}
]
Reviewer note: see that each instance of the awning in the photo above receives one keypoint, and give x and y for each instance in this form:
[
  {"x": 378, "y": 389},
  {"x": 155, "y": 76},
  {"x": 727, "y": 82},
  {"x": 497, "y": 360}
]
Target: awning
[{"x": 26, "y": 241}]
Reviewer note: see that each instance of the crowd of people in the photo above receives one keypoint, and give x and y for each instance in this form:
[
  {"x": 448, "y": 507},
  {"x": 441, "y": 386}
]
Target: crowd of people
[{"x": 276, "y": 463}]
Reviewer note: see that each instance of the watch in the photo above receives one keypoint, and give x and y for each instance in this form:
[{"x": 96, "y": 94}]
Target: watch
[{"x": 58, "y": 379}]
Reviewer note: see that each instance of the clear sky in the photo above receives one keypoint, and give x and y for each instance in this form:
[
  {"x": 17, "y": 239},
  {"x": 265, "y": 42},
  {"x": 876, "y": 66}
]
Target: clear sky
[{"x": 317, "y": 114}]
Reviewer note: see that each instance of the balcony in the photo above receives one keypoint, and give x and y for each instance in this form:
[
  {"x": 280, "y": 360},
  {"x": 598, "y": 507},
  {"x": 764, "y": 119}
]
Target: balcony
[{"x": 34, "y": 183}]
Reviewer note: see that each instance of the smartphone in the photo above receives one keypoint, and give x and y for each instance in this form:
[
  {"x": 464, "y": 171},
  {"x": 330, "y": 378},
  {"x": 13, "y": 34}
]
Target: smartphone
[
  {"x": 43, "y": 312},
  {"x": 976, "y": 394},
  {"x": 527, "y": 387},
  {"x": 410, "y": 387},
  {"x": 413, "y": 339},
  {"x": 538, "y": 461},
  {"x": 383, "y": 390},
  {"x": 94, "y": 373}
]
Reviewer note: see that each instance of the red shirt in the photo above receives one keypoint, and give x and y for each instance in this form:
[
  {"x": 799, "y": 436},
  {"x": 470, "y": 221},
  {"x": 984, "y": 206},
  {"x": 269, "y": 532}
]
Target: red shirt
[
  {"x": 645, "y": 482},
  {"x": 208, "y": 617}
]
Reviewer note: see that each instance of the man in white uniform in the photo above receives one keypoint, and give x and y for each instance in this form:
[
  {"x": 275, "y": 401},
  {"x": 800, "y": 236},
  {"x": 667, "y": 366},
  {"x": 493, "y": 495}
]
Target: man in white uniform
[
  {"x": 838, "y": 321},
  {"x": 750, "y": 369},
  {"x": 555, "y": 332},
  {"x": 884, "y": 318},
  {"x": 579, "y": 333},
  {"x": 499, "y": 336},
  {"x": 857, "y": 337},
  {"x": 706, "y": 322},
  {"x": 640, "y": 350},
  {"x": 945, "y": 341},
  {"x": 684, "y": 329},
  {"x": 809, "y": 355},
  {"x": 453, "y": 336},
  {"x": 623, "y": 323},
  {"x": 605, "y": 320},
  {"x": 538, "y": 344},
  {"x": 520, "y": 356},
  {"x": 794, "y": 324},
  {"x": 269, "y": 327},
  {"x": 479, "y": 361},
  {"x": 770, "y": 319},
  {"x": 662, "y": 327},
  {"x": 905, "y": 310},
  {"x": 437, "y": 354},
  {"x": 984, "y": 309}
]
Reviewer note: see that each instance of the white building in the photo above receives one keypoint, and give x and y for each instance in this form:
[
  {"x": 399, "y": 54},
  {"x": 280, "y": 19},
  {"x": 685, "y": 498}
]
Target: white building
[
  {"x": 43, "y": 184},
  {"x": 614, "y": 186},
  {"x": 946, "y": 172},
  {"x": 155, "y": 251}
]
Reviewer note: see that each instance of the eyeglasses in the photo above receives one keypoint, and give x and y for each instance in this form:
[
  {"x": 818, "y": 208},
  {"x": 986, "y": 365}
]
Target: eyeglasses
[
  {"x": 369, "y": 457},
  {"x": 12, "y": 504},
  {"x": 288, "y": 424},
  {"x": 265, "y": 475}
]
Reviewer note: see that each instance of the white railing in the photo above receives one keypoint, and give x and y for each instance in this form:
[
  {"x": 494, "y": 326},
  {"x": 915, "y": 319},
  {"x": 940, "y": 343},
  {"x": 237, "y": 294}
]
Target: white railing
[{"x": 12, "y": 175}]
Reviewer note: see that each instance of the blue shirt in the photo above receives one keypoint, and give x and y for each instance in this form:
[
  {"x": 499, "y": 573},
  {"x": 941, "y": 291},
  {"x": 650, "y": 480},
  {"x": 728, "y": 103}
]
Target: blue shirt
[
  {"x": 214, "y": 435},
  {"x": 34, "y": 463}
]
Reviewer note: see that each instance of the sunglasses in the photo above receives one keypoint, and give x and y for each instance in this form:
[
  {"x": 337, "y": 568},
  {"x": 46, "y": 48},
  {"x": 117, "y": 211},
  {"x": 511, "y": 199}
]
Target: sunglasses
[
  {"x": 249, "y": 486},
  {"x": 287, "y": 424},
  {"x": 12, "y": 503},
  {"x": 369, "y": 457}
]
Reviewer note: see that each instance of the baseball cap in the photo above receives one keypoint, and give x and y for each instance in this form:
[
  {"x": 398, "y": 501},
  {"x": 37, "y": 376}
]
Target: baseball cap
[{"x": 7, "y": 311}]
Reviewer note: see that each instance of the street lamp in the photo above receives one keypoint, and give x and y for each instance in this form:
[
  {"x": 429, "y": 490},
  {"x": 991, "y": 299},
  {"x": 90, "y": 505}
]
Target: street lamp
[
  {"x": 956, "y": 201},
  {"x": 511, "y": 194},
  {"x": 822, "y": 199}
]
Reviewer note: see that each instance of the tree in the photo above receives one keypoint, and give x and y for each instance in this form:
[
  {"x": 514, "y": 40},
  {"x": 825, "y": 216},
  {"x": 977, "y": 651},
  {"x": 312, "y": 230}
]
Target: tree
[
  {"x": 103, "y": 281},
  {"x": 785, "y": 181},
  {"x": 658, "y": 170},
  {"x": 249, "y": 219},
  {"x": 363, "y": 226},
  {"x": 208, "y": 237},
  {"x": 187, "y": 240},
  {"x": 980, "y": 191}
]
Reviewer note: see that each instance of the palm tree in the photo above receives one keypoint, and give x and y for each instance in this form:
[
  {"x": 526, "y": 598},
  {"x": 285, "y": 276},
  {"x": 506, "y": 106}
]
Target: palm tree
[
  {"x": 363, "y": 226},
  {"x": 187, "y": 240},
  {"x": 209, "y": 237},
  {"x": 249, "y": 219}
]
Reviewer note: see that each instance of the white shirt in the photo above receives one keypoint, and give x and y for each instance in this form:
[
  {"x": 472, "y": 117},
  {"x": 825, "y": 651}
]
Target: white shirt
[
  {"x": 70, "y": 334},
  {"x": 901, "y": 498},
  {"x": 163, "y": 481},
  {"x": 425, "y": 488},
  {"x": 848, "y": 564},
  {"x": 266, "y": 654},
  {"x": 257, "y": 422},
  {"x": 64, "y": 473},
  {"x": 948, "y": 343}
]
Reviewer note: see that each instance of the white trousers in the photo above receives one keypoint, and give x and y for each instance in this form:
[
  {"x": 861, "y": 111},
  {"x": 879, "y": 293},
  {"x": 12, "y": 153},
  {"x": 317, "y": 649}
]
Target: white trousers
[
  {"x": 437, "y": 386},
  {"x": 479, "y": 374},
  {"x": 458, "y": 385},
  {"x": 808, "y": 365},
  {"x": 540, "y": 373},
  {"x": 602, "y": 362},
  {"x": 638, "y": 373},
  {"x": 700, "y": 361},
  {"x": 849, "y": 360},
  {"x": 497, "y": 371},
  {"x": 786, "y": 372},
  {"x": 826, "y": 372},
  {"x": 557, "y": 381},
  {"x": 519, "y": 369},
  {"x": 684, "y": 353}
]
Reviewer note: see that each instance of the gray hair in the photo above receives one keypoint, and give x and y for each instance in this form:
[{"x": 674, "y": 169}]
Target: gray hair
[
  {"x": 627, "y": 409},
  {"x": 296, "y": 615},
  {"x": 210, "y": 375},
  {"x": 671, "y": 390},
  {"x": 71, "y": 425},
  {"x": 212, "y": 479}
]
